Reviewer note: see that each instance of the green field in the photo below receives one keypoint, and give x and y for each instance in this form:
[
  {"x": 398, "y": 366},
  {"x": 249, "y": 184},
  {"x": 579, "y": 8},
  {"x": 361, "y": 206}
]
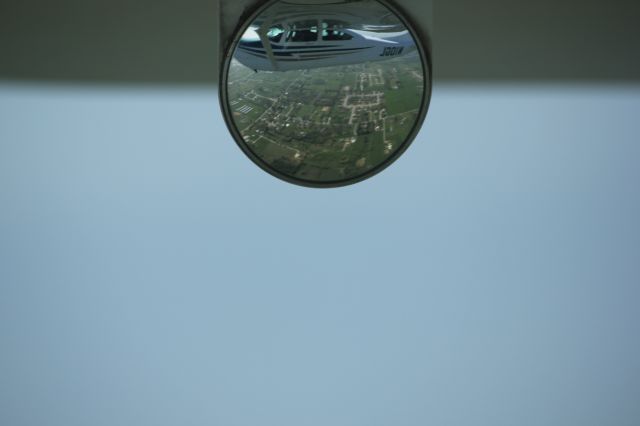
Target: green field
[{"x": 329, "y": 123}]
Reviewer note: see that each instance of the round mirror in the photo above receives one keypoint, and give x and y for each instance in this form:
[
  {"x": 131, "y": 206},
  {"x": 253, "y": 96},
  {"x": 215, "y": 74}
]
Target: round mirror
[{"x": 325, "y": 93}]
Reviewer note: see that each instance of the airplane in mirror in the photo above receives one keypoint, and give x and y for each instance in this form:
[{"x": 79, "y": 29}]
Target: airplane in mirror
[{"x": 290, "y": 40}]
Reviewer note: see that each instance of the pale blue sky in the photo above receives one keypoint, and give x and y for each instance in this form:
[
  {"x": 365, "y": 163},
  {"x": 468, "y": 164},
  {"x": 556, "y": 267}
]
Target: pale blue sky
[{"x": 150, "y": 274}]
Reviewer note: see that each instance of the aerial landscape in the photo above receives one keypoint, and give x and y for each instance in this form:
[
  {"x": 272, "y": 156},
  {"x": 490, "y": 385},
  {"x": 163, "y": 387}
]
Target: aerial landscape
[{"x": 352, "y": 116}]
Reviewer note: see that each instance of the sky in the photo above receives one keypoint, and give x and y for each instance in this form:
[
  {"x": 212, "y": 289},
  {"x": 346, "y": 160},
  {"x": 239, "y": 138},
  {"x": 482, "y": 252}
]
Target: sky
[{"x": 151, "y": 274}]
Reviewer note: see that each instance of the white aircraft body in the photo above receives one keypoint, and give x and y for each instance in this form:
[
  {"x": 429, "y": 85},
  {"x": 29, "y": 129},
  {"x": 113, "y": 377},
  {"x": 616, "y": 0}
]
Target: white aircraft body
[{"x": 291, "y": 39}]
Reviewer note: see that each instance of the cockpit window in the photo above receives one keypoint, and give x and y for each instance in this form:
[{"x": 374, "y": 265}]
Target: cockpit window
[
  {"x": 303, "y": 31},
  {"x": 275, "y": 33},
  {"x": 333, "y": 24},
  {"x": 332, "y": 30},
  {"x": 335, "y": 35}
]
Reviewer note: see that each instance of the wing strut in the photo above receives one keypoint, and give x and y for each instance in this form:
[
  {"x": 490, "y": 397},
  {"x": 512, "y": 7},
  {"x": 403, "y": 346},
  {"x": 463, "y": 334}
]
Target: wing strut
[{"x": 262, "y": 33}]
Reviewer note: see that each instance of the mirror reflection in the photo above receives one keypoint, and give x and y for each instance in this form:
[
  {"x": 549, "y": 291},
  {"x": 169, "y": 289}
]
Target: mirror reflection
[{"x": 325, "y": 93}]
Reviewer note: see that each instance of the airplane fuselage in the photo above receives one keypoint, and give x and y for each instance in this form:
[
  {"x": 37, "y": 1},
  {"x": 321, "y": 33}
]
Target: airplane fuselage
[{"x": 363, "y": 47}]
